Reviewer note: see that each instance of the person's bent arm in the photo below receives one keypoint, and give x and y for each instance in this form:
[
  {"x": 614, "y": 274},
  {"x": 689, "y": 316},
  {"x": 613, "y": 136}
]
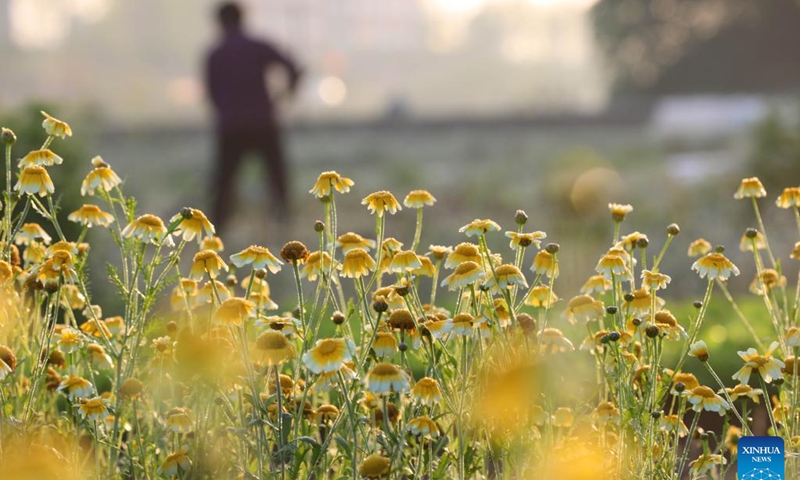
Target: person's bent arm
[{"x": 272, "y": 55}]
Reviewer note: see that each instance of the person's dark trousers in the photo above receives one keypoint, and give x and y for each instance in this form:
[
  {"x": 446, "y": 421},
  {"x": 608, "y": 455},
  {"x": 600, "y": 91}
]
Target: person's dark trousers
[{"x": 232, "y": 146}]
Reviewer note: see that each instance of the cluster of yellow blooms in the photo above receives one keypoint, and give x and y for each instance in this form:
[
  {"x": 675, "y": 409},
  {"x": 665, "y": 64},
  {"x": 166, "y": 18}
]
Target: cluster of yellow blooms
[{"x": 370, "y": 376}]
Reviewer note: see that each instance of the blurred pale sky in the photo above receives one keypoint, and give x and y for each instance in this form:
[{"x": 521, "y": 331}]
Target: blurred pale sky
[{"x": 141, "y": 61}]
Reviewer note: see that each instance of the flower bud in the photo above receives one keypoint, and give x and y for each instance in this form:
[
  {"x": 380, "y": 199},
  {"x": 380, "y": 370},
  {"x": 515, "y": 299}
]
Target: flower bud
[
  {"x": 552, "y": 248},
  {"x": 8, "y": 137},
  {"x": 520, "y": 218},
  {"x": 673, "y": 229}
]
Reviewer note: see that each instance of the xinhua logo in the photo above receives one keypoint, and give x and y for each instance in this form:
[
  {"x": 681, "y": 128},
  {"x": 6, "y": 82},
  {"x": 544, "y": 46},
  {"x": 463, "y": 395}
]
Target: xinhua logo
[{"x": 761, "y": 458}]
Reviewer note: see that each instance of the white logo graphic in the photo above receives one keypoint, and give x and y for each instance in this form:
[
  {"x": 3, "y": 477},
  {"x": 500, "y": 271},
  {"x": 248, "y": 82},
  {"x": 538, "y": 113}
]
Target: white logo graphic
[{"x": 761, "y": 474}]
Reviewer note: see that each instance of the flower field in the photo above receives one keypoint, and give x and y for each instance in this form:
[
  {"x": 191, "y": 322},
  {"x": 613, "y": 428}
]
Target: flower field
[{"x": 393, "y": 360}]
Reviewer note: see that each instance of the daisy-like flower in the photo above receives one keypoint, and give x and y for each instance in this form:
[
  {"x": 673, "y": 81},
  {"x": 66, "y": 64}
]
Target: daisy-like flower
[
  {"x": 605, "y": 412},
  {"x": 699, "y": 350},
  {"x": 374, "y": 466},
  {"x": 544, "y": 263},
  {"x": 465, "y": 274},
  {"x": 100, "y": 177},
  {"x": 715, "y": 265},
  {"x": 423, "y": 426},
  {"x": 688, "y": 380},
  {"x": 524, "y": 240},
  {"x": 673, "y": 424},
  {"x": 596, "y": 284},
  {"x": 619, "y": 211},
  {"x": 552, "y": 340},
  {"x": 326, "y": 380},
  {"x": 462, "y": 324},
  {"x": 616, "y": 262},
  {"x": 386, "y": 378},
  {"x": 641, "y": 301},
  {"x": 437, "y": 329},
  {"x": 632, "y": 240},
  {"x": 439, "y": 252},
  {"x": 327, "y": 182},
  {"x": 583, "y": 308},
  {"x": 380, "y": 202},
  {"x": 427, "y": 391},
  {"x": 793, "y": 337},
  {"x": 563, "y": 418},
  {"x": 316, "y": 264},
  {"x": 44, "y": 158},
  {"x": 69, "y": 340},
  {"x": 478, "y": 228},
  {"x": 176, "y": 461},
  {"x": 55, "y": 127},
  {"x": 744, "y": 391},
  {"x": 212, "y": 243},
  {"x": 209, "y": 291},
  {"x": 91, "y": 215},
  {"x": 179, "y": 420},
  {"x": 541, "y": 296},
  {"x": 183, "y": 294},
  {"x": 193, "y": 223},
  {"x": 148, "y": 229},
  {"x": 98, "y": 357},
  {"x": 401, "y": 319},
  {"x": 207, "y": 261},
  {"x": 768, "y": 367},
  {"x": 34, "y": 180},
  {"x": 705, "y": 463},
  {"x": 655, "y": 280},
  {"x": 769, "y": 279},
  {"x": 506, "y": 276},
  {"x": 329, "y": 355},
  {"x": 31, "y": 232},
  {"x": 351, "y": 240},
  {"x": 789, "y": 198},
  {"x": 8, "y": 361},
  {"x": 750, "y": 187},
  {"x": 464, "y": 252},
  {"x": 668, "y": 325},
  {"x": 131, "y": 388},
  {"x": 76, "y": 387},
  {"x": 327, "y": 413},
  {"x": 357, "y": 263},
  {"x": 699, "y": 247},
  {"x": 419, "y": 199},
  {"x": 758, "y": 242},
  {"x": 93, "y": 408},
  {"x": 704, "y": 398},
  {"x": 234, "y": 311},
  {"x": 405, "y": 261},
  {"x": 274, "y": 348},
  {"x": 258, "y": 257},
  {"x": 426, "y": 269},
  {"x": 385, "y": 344},
  {"x": 792, "y": 365}
]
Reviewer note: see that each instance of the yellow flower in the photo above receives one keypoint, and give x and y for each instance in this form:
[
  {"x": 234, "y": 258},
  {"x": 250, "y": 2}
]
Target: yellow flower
[
  {"x": 258, "y": 257},
  {"x": 750, "y": 187},
  {"x": 464, "y": 252},
  {"x": 631, "y": 241},
  {"x": 193, "y": 223},
  {"x": 688, "y": 380},
  {"x": 552, "y": 340},
  {"x": 793, "y": 337},
  {"x": 699, "y": 350},
  {"x": 419, "y": 199},
  {"x": 386, "y": 378},
  {"x": 94, "y": 408},
  {"x": 33, "y": 180},
  {"x": 274, "y": 348},
  {"x": 405, "y": 261},
  {"x": 147, "y": 228},
  {"x": 212, "y": 243},
  {"x": 374, "y": 466},
  {"x": 541, "y": 296},
  {"x": 715, "y": 265},
  {"x": 131, "y": 388},
  {"x": 385, "y": 345},
  {"x": 401, "y": 319},
  {"x": 596, "y": 284},
  {"x": 619, "y": 211},
  {"x": 465, "y": 274},
  {"x": 673, "y": 424},
  {"x": 91, "y": 215},
  {"x": 174, "y": 461},
  {"x": 30, "y": 232},
  {"x": 605, "y": 412},
  {"x": 76, "y": 387},
  {"x": 98, "y": 357},
  {"x": 668, "y": 324},
  {"x": 102, "y": 177},
  {"x": 745, "y": 391},
  {"x": 478, "y": 228},
  {"x": 206, "y": 293},
  {"x": 328, "y": 181},
  {"x": 317, "y": 263},
  {"x": 701, "y": 246},
  {"x": 583, "y": 308},
  {"x": 789, "y": 198},
  {"x": 351, "y": 240},
  {"x": 427, "y": 391},
  {"x": 616, "y": 262},
  {"x": 327, "y": 413},
  {"x": 523, "y": 240},
  {"x": 55, "y": 127},
  {"x": 380, "y": 202},
  {"x": 732, "y": 437},
  {"x": 44, "y": 158},
  {"x": 703, "y": 398},
  {"x": 544, "y": 263},
  {"x": 507, "y": 276},
  {"x": 207, "y": 261},
  {"x": 426, "y": 269},
  {"x": 439, "y": 252},
  {"x": 655, "y": 280},
  {"x": 705, "y": 463},
  {"x": 329, "y": 355},
  {"x": 563, "y": 418},
  {"x": 69, "y": 340},
  {"x": 769, "y": 368},
  {"x": 768, "y": 279},
  {"x": 423, "y": 426},
  {"x": 234, "y": 311},
  {"x": 642, "y": 301},
  {"x": 759, "y": 242},
  {"x": 357, "y": 263}
]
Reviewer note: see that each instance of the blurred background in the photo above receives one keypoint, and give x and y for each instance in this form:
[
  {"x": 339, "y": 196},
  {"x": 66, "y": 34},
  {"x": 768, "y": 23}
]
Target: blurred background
[{"x": 556, "y": 107}]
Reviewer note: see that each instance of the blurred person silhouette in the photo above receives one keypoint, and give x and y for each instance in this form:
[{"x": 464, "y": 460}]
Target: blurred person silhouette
[{"x": 246, "y": 116}]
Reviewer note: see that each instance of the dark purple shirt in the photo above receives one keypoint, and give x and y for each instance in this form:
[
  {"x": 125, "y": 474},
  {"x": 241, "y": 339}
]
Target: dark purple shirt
[{"x": 236, "y": 84}]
